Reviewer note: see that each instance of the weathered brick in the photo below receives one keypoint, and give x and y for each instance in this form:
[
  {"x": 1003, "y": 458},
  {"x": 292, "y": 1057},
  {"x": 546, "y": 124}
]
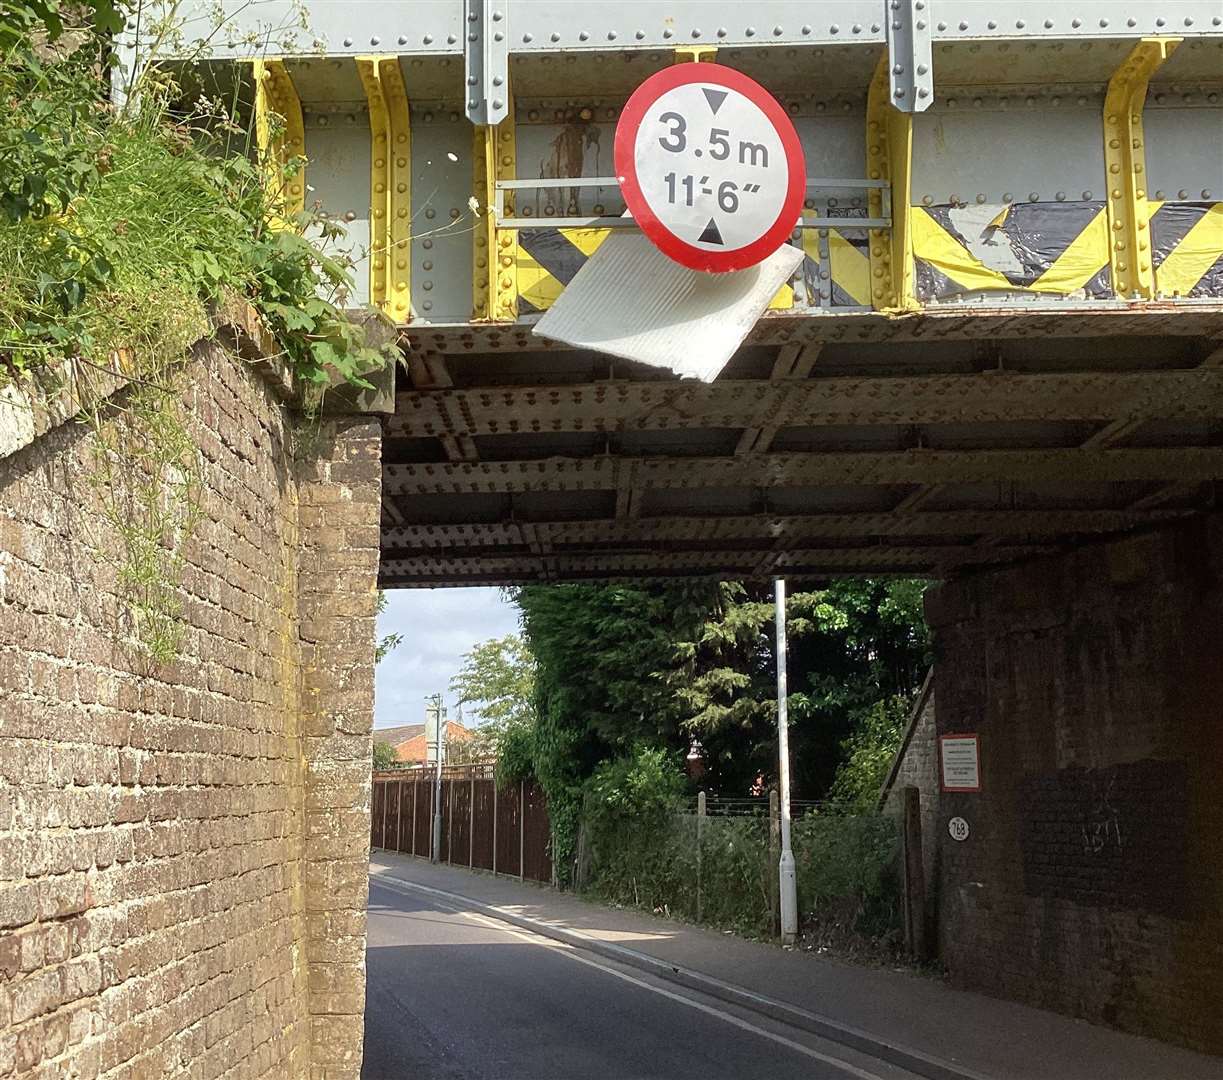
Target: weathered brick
[
  {"x": 154, "y": 869},
  {"x": 1091, "y": 877}
]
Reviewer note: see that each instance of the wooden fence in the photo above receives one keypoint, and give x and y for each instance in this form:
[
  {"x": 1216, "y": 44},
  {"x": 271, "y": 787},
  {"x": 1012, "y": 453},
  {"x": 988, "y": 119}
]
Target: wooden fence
[{"x": 505, "y": 830}]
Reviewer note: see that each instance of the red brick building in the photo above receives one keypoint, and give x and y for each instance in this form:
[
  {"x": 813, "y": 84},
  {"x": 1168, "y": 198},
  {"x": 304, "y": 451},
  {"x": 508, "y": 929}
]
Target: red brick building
[{"x": 408, "y": 740}]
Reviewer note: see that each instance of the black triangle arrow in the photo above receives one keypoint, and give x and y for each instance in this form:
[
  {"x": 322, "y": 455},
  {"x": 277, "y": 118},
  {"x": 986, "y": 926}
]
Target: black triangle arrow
[
  {"x": 711, "y": 234},
  {"x": 714, "y": 97}
]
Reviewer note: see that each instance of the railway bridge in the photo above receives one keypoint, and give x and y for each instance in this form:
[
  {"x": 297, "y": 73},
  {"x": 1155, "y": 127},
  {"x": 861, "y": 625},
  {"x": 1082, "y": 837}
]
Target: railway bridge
[{"x": 999, "y": 365}]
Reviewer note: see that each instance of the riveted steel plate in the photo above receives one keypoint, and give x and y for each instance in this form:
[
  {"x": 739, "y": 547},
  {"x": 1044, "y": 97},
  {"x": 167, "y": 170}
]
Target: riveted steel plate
[
  {"x": 442, "y": 221},
  {"x": 955, "y": 19},
  {"x": 337, "y": 178},
  {"x": 1019, "y": 152},
  {"x": 551, "y": 24},
  {"x": 332, "y": 27},
  {"x": 1184, "y": 152},
  {"x": 1026, "y": 63}
]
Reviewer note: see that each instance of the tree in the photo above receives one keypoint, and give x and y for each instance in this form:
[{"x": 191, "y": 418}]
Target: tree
[
  {"x": 390, "y": 642},
  {"x": 384, "y": 755},
  {"x": 498, "y": 680}
]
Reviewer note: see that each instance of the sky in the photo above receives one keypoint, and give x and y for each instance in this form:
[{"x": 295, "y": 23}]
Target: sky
[{"x": 438, "y": 627}]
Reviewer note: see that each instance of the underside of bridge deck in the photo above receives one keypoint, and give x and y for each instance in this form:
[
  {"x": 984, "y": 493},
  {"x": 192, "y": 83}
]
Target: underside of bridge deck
[{"x": 854, "y": 444}]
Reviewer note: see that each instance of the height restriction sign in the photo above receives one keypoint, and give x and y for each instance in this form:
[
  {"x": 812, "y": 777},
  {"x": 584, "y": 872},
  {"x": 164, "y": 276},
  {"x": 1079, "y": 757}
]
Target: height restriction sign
[{"x": 710, "y": 166}]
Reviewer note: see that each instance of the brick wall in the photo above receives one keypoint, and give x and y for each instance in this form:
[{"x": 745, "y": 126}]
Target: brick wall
[
  {"x": 180, "y": 843},
  {"x": 1092, "y": 882}
]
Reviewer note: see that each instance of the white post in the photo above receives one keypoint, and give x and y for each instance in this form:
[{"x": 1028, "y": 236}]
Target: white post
[{"x": 788, "y": 883}]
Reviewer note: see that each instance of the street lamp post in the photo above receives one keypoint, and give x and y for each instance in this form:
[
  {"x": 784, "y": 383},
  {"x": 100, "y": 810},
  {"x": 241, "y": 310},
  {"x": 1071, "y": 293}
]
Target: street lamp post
[{"x": 786, "y": 874}]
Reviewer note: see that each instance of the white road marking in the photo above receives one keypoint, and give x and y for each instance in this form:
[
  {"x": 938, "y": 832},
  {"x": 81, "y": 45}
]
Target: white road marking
[{"x": 570, "y": 952}]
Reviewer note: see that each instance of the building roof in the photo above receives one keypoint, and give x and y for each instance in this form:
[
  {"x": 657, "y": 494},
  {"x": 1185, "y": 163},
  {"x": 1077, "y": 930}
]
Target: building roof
[{"x": 397, "y": 735}]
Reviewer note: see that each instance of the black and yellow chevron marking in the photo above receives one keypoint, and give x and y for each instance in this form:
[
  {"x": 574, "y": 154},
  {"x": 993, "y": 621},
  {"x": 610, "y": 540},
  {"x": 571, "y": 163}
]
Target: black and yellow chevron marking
[
  {"x": 848, "y": 265},
  {"x": 1187, "y": 248},
  {"x": 548, "y": 259},
  {"x": 1051, "y": 248}
]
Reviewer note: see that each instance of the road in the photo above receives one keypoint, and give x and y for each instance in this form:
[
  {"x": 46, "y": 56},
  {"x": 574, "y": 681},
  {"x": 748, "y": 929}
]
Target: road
[{"x": 458, "y": 996}]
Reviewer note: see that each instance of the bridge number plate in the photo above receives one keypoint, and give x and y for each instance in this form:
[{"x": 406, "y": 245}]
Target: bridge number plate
[{"x": 710, "y": 166}]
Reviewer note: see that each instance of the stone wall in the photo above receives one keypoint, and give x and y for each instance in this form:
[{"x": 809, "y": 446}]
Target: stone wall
[
  {"x": 182, "y": 844},
  {"x": 1092, "y": 882}
]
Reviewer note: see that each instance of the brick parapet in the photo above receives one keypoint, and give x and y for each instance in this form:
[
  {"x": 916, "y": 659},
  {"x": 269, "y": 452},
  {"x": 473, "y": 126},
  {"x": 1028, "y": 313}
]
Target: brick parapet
[{"x": 177, "y": 886}]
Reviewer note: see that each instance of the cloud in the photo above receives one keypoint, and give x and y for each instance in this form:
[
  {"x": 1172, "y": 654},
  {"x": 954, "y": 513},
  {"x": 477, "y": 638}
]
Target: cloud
[{"x": 438, "y": 626}]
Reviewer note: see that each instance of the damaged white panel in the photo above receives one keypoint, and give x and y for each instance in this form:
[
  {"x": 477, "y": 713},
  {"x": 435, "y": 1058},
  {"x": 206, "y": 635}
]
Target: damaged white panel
[{"x": 631, "y": 301}]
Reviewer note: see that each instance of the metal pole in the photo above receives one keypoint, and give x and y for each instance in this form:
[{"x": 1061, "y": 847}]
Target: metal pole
[
  {"x": 437, "y": 800},
  {"x": 700, "y": 821},
  {"x": 785, "y": 871},
  {"x": 494, "y": 822}
]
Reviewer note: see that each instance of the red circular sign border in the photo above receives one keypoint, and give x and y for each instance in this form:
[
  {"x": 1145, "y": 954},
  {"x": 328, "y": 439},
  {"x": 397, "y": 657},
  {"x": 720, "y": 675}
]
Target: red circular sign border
[{"x": 714, "y": 262}]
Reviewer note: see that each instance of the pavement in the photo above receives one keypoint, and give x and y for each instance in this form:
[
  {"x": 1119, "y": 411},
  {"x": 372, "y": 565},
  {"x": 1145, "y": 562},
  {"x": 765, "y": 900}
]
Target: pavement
[{"x": 875, "y": 1020}]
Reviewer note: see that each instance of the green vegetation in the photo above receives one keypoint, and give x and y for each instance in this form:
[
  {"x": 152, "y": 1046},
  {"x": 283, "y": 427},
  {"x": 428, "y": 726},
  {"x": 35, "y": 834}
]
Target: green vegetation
[
  {"x": 384, "y": 755},
  {"x": 498, "y": 680},
  {"x": 122, "y": 229},
  {"x": 643, "y": 848},
  {"x": 627, "y": 670}
]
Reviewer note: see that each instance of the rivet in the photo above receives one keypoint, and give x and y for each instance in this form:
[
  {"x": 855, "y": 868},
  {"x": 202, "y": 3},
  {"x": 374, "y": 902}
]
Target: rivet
[
  {"x": 1007, "y": 197},
  {"x": 427, "y": 286},
  {"x": 639, "y": 35},
  {"x": 1160, "y": 21},
  {"x": 1182, "y": 194},
  {"x": 750, "y": 31},
  {"x": 348, "y": 43},
  {"x": 611, "y": 35},
  {"x": 668, "y": 33},
  {"x": 583, "y": 36},
  {"x": 528, "y": 38},
  {"x": 427, "y": 39},
  {"x": 402, "y": 39},
  {"x": 777, "y": 31},
  {"x": 806, "y": 30},
  {"x": 375, "y": 40},
  {"x": 554, "y": 37},
  {"x": 1206, "y": 193}
]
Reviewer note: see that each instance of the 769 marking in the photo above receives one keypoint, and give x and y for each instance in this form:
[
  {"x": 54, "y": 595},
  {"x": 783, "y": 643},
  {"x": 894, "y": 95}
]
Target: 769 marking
[{"x": 728, "y": 190}]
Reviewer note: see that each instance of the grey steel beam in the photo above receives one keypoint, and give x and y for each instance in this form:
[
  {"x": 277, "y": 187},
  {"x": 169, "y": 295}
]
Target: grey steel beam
[
  {"x": 811, "y": 469},
  {"x": 486, "y": 60},
  {"x": 440, "y": 27},
  {"x": 987, "y": 397},
  {"x": 795, "y": 528}
]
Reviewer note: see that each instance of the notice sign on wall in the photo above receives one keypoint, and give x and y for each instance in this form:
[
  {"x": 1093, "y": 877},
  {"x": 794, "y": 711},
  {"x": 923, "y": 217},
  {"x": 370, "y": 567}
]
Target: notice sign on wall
[{"x": 960, "y": 762}]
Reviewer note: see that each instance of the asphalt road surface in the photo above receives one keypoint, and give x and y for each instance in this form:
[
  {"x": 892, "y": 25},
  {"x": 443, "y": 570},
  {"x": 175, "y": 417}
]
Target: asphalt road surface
[{"x": 458, "y": 996}]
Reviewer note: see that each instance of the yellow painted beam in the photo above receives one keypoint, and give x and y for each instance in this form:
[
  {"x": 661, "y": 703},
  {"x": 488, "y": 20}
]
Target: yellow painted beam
[
  {"x": 688, "y": 54},
  {"x": 390, "y": 186},
  {"x": 280, "y": 138},
  {"x": 495, "y": 251},
  {"x": 889, "y": 156},
  {"x": 1129, "y": 217}
]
